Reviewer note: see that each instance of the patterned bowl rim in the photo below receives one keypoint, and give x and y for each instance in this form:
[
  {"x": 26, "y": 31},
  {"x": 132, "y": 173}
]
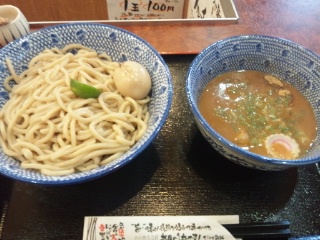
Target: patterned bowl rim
[
  {"x": 226, "y": 143},
  {"x": 107, "y": 169}
]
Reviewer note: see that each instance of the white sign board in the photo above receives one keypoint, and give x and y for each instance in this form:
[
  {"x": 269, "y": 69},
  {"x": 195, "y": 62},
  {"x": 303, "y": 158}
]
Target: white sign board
[
  {"x": 144, "y": 9},
  {"x": 205, "y": 9}
]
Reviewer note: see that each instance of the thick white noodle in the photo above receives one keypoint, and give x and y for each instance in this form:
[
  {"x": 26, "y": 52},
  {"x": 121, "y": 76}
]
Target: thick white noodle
[{"x": 46, "y": 127}]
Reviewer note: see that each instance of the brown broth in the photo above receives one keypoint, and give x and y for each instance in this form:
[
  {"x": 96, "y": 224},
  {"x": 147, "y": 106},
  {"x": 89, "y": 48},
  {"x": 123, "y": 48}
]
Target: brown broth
[{"x": 246, "y": 109}]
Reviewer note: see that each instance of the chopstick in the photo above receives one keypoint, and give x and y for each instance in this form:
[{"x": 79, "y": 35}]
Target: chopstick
[{"x": 263, "y": 230}]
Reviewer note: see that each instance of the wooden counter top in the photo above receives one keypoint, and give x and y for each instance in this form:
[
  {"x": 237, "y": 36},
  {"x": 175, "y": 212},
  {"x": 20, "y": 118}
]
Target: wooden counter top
[{"x": 295, "y": 20}]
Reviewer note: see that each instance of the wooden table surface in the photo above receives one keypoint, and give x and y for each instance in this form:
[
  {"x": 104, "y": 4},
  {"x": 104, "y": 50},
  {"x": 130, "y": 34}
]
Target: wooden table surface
[
  {"x": 175, "y": 175},
  {"x": 295, "y": 20}
]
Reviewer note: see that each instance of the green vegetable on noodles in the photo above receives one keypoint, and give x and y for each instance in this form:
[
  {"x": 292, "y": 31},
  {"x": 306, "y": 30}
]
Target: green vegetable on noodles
[{"x": 83, "y": 90}]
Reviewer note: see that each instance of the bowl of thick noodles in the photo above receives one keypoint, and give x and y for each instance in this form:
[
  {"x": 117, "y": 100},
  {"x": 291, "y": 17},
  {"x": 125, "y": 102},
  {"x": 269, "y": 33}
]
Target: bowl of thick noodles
[
  {"x": 63, "y": 118},
  {"x": 256, "y": 100}
]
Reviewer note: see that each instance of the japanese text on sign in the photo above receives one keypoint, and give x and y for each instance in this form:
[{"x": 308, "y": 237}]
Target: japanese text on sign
[
  {"x": 157, "y": 228},
  {"x": 145, "y": 9}
]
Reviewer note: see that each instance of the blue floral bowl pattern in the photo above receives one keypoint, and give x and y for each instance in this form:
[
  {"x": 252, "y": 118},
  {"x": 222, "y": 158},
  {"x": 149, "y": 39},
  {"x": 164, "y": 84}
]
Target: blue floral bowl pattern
[
  {"x": 121, "y": 45},
  {"x": 282, "y": 58}
]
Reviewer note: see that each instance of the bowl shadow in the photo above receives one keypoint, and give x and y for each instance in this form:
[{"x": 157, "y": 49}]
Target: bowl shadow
[
  {"x": 115, "y": 189},
  {"x": 251, "y": 187},
  {"x": 64, "y": 207},
  {"x": 100, "y": 195}
]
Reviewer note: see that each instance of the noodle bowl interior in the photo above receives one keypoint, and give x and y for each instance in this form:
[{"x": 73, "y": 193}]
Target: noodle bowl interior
[
  {"x": 47, "y": 127},
  {"x": 259, "y": 113}
]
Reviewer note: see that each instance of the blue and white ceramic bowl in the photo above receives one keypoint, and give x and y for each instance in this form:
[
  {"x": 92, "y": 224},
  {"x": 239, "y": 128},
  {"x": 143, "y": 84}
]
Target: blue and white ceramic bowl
[
  {"x": 280, "y": 57},
  {"x": 121, "y": 45}
]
